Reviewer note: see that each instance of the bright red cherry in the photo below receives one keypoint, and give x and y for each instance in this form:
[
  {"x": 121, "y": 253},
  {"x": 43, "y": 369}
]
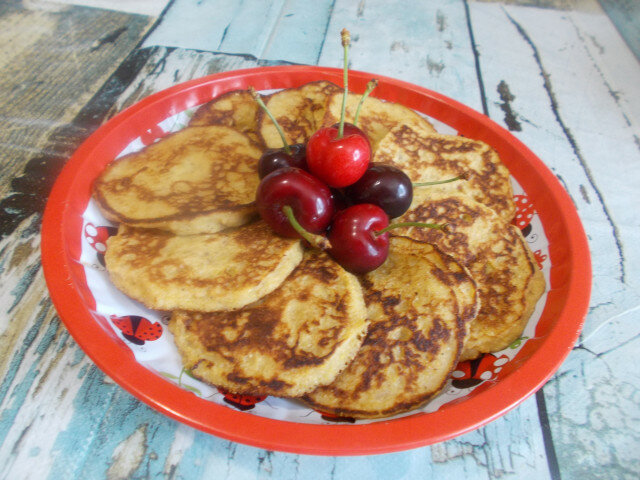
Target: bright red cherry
[
  {"x": 351, "y": 129},
  {"x": 308, "y": 197},
  {"x": 355, "y": 243},
  {"x": 338, "y": 162},
  {"x": 336, "y": 155}
]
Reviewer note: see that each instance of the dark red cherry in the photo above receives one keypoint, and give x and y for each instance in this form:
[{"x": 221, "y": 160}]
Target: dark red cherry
[
  {"x": 385, "y": 186},
  {"x": 359, "y": 236},
  {"x": 355, "y": 243},
  {"x": 274, "y": 158},
  {"x": 340, "y": 201},
  {"x": 308, "y": 197}
]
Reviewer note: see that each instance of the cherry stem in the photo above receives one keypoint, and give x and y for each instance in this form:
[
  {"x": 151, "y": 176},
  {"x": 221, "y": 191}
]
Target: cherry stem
[
  {"x": 346, "y": 40},
  {"x": 435, "y": 226},
  {"x": 439, "y": 182},
  {"x": 370, "y": 86},
  {"x": 257, "y": 98},
  {"x": 317, "y": 241}
]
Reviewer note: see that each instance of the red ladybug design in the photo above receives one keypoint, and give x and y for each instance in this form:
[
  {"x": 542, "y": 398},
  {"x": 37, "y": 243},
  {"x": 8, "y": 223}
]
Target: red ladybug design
[
  {"x": 241, "y": 402},
  {"x": 138, "y": 330},
  {"x": 332, "y": 417},
  {"x": 151, "y": 135},
  {"x": 473, "y": 372},
  {"x": 524, "y": 213},
  {"x": 97, "y": 238},
  {"x": 540, "y": 258}
]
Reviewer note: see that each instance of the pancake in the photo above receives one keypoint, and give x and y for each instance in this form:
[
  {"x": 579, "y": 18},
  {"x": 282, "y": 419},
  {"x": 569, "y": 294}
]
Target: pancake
[
  {"x": 319, "y": 93},
  {"x": 235, "y": 109},
  {"x": 296, "y": 338},
  {"x": 207, "y": 272},
  {"x": 426, "y": 156},
  {"x": 377, "y": 117},
  {"x": 497, "y": 256},
  {"x": 299, "y": 112},
  {"x": 198, "y": 180},
  {"x": 414, "y": 339}
]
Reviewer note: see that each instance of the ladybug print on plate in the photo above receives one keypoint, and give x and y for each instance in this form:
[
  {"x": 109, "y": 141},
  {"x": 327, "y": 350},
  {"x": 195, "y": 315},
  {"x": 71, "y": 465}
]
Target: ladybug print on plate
[
  {"x": 524, "y": 213},
  {"x": 138, "y": 330},
  {"x": 540, "y": 258},
  {"x": 151, "y": 135},
  {"x": 241, "y": 402},
  {"x": 473, "y": 372},
  {"x": 330, "y": 417},
  {"x": 97, "y": 238}
]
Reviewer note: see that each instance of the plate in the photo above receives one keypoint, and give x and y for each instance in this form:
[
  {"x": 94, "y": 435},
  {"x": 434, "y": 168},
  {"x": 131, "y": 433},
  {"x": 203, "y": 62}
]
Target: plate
[{"x": 558, "y": 320}]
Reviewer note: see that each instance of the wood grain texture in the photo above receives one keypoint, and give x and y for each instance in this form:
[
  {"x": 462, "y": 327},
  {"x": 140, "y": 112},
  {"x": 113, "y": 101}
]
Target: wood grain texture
[
  {"x": 51, "y": 64},
  {"x": 431, "y": 47},
  {"x": 140, "y": 7},
  {"x": 276, "y": 30},
  {"x": 625, "y": 14}
]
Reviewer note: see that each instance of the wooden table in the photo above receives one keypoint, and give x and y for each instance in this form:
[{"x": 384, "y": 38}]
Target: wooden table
[{"x": 556, "y": 73}]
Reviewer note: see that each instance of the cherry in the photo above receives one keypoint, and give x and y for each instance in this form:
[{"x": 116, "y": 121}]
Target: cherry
[
  {"x": 340, "y": 200},
  {"x": 337, "y": 157},
  {"x": 352, "y": 129},
  {"x": 386, "y": 186},
  {"x": 309, "y": 199},
  {"x": 354, "y": 242},
  {"x": 337, "y": 160},
  {"x": 359, "y": 238},
  {"x": 274, "y": 158}
]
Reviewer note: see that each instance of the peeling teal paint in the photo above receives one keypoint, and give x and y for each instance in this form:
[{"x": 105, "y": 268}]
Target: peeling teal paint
[{"x": 18, "y": 358}]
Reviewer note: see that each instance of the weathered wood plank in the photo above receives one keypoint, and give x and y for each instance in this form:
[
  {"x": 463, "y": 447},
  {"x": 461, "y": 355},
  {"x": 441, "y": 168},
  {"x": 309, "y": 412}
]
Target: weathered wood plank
[
  {"x": 167, "y": 67},
  {"x": 430, "y": 47},
  {"x": 53, "y": 61},
  {"x": 141, "y": 7},
  {"x": 300, "y": 32},
  {"x": 36, "y": 343},
  {"x": 625, "y": 14},
  {"x": 290, "y": 30},
  {"x": 51, "y": 64}
]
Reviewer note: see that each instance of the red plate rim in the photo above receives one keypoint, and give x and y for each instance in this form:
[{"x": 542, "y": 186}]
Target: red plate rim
[{"x": 561, "y": 320}]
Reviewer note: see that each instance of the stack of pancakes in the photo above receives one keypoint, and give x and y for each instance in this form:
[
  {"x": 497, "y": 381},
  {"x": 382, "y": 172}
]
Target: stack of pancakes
[{"x": 258, "y": 314}]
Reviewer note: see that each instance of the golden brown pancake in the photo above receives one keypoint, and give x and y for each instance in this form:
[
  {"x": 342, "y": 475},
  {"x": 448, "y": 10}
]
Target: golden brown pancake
[
  {"x": 377, "y": 117},
  {"x": 207, "y": 272},
  {"x": 198, "y": 180},
  {"x": 294, "y": 339},
  {"x": 236, "y": 109},
  {"x": 497, "y": 256},
  {"x": 299, "y": 111},
  {"x": 426, "y": 156},
  {"x": 414, "y": 339}
]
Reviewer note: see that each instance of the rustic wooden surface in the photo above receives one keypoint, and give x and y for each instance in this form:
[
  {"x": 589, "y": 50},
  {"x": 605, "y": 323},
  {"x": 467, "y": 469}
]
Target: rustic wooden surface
[{"x": 556, "y": 73}]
